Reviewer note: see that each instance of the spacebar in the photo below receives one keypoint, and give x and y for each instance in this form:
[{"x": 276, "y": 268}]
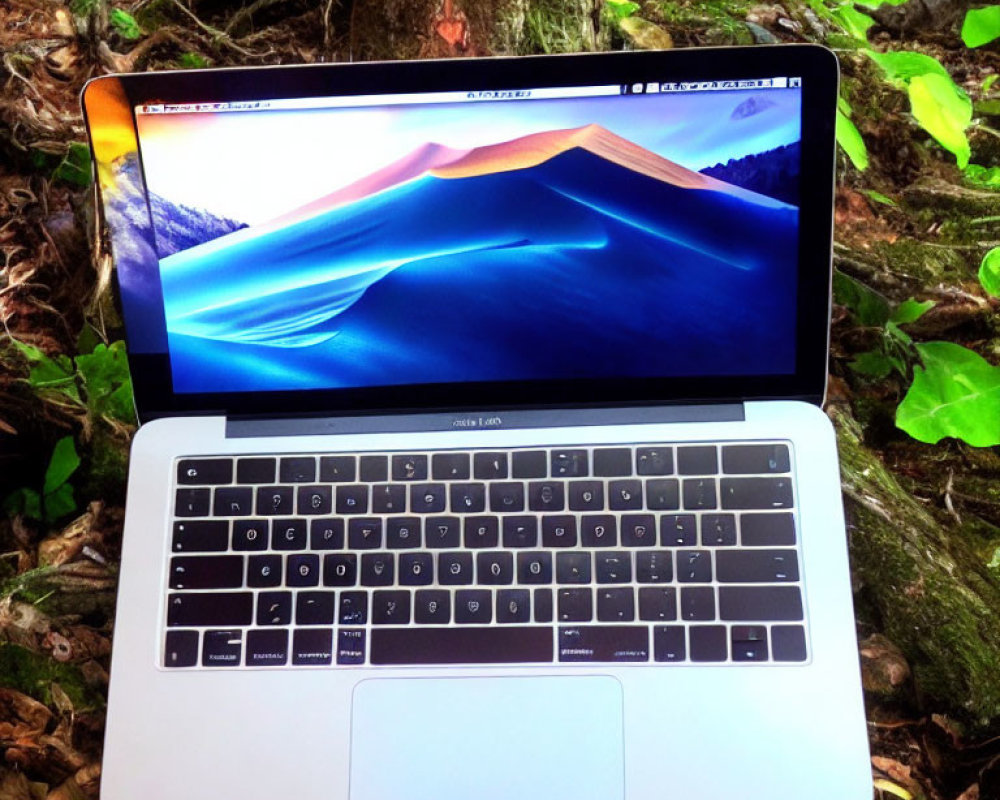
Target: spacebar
[{"x": 461, "y": 645}]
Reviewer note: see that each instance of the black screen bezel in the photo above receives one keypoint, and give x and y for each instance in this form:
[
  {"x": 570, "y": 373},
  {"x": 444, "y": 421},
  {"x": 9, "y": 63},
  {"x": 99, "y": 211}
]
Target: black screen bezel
[{"x": 815, "y": 65}]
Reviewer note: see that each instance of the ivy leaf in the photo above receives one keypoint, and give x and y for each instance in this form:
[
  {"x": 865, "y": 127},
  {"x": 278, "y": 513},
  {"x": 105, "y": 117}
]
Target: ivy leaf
[
  {"x": 49, "y": 373},
  {"x": 23, "y": 501},
  {"x": 75, "y": 166},
  {"x": 903, "y": 66},
  {"x": 60, "y": 503},
  {"x": 956, "y": 393},
  {"x": 868, "y": 306},
  {"x": 192, "y": 61},
  {"x": 981, "y": 26},
  {"x": 983, "y": 176},
  {"x": 849, "y": 137},
  {"x": 620, "y": 9},
  {"x": 125, "y": 24},
  {"x": 944, "y": 111},
  {"x": 910, "y": 311},
  {"x": 63, "y": 463},
  {"x": 872, "y": 364},
  {"x": 106, "y": 381},
  {"x": 853, "y": 21},
  {"x": 989, "y": 272}
]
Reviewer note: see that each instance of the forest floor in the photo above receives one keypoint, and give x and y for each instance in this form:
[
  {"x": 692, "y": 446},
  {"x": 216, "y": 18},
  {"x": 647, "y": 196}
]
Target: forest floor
[{"x": 924, "y": 519}]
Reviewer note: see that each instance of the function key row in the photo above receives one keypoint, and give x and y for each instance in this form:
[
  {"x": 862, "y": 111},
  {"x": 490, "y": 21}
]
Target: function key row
[{"x": 737, "y": 459}]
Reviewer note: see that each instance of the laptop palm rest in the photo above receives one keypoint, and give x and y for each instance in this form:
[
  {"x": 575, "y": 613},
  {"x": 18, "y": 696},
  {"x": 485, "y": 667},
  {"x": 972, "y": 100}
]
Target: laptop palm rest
[{"x": 557, "y": 738}]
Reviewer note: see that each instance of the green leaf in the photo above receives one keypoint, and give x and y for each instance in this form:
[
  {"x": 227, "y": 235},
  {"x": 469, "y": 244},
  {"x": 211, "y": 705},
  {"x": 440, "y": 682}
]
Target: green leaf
[
  {"x": 989, "y": 272},
  {"x": 894, "y": 333},
  {"x": 49, "y": 373},
  {"x": 63, "y": 463},
  {"x": 868, "y": 306},
  {"x": 956, "y": 393},
  {"x": 192, "y": 61},
  {"x": 844, "y": 106},
  {"x": 994, "y": 562},
  {"x": 59, "y": 503},
  {"x": 981, "y": 26},
  {"x": 106, "y": 381},
  {"x": 853, "y": 21},
  {"x": 849, "y": 137},
  {"x": 983, "y": 176},
  {"x": 944, "y": 111},
  {"x": 75, "y": 166},
  {"x": 23, "y": 501},
  {"x": 910, "y": 311},
  {"x": 125, "y": 24},
  {"x": 872, "y": 364},
  {"x": 988, "y": 83},
  {"x": 903, "y": 66},
  {"x": 878, "y": 197},
  {"x": 620, "y": 9}
]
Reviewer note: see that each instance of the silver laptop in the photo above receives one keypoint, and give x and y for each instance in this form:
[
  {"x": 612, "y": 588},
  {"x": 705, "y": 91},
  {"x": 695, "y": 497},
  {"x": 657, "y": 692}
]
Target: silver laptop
[{"x": 481, "y": 453}]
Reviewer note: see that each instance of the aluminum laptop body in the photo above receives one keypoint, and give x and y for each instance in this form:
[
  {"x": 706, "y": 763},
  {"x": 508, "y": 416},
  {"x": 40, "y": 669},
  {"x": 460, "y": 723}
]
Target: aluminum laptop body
[{"x": 481, "y": 454}]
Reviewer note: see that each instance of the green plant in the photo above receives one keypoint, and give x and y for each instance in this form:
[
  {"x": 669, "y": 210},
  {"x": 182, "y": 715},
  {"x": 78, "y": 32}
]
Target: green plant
[
  {"x": 192, "y": 61},
  {"x": 75, "y": 166},
  {"x": 56, "y": 497},
  {"x": 981, "y": 26},
  {"x": 125, "y": 24},
  {"x": 620, "y": 9},
  {"x": 989, "y": 272},
  {"x": 849, "y": 137}
]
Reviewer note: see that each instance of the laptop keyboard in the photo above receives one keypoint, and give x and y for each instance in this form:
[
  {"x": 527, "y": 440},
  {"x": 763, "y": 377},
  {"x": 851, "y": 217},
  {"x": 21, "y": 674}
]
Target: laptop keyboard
[{"x": 639, "y": 554}]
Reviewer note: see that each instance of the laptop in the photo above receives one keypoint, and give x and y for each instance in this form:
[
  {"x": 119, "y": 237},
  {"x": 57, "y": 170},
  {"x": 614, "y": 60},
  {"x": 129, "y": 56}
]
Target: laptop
[{"x": 480, "y": 454}]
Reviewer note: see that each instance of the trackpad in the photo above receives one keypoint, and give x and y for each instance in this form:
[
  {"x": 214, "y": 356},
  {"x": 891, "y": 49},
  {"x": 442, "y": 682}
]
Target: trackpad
[{"x": 557, "y": 738}]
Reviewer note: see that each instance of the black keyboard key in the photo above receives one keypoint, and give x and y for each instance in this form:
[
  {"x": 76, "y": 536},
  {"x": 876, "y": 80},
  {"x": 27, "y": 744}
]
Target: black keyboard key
[
  {"x": 273, "y": 500},
  {"x": 494, "y": 569},
  {"x": 489, "y": 466},
  {"x": 482, "y": 532},
  {"x": 586, "y": 496},
  {"x": 181, "y": 649},
  {"x": 206, "y": 572},
  {"x": 757, "y": 566},
  {"x": 569, "y": 464},
  {"x": 513, "y": 606},
  {"x": 288, "y": 534},
  {"x": 760, "y": 603},
  {"x": 352, "y": 499},
  {"x": 202, "y": 471},
  {"x": 754, "y": 493},
  {"x": 542, "y": 600},
  {"x": 198, "y": 609},
  {"x": 377, "y": 569},
  {"x": 788, "y": 643},
  {"x": 402, "y": 533},
  {"x": 440, "y": 532},
  {"x": 559, "y": 531},
  {"x": 654, "y": 461},
  {"x": 662, "y": 494},
  {"x": 233, "y": 501},
  {"x": 222, "y": 649},
  {"x": 697, "y": 460},
  {"x": 409, "y": 467},
  {"x": 520, "y": 531},
  {"x": 312, "y": 648},
  {"x": 615, "y": 604},
  {"x": 613, "y": 462},
  {"x": 255, "y": 470},
  {"x": 529, "y": 464},
  {"x": 297, "y": 469},
  {"x": 468, "y": 498},
  {"x": 301, "y": 570},
  {"x": 604, "y": 643},
  {"x": 350, "y": 646},
  {"x": 314, "y": 608},
  {"x": 708, "y": 642},
  {"x": 473, "y": 607},
  {"x": 507, "y": 498},
  {"x": 751, "y": 459},
  {"x": 697, "y": 603},
  {"x": 613, "y": 566},
  {"x": 315, "y": 500},
  {"x": 374, "y": 469},
  {"x": 466, "y": 645},
  {"x": 207, "y": 536},
  {"x": 573, "y": 567},
  {"x": 534, "y": 567},
  {"x": 668, "y": 643},
  {"x": 337, "y": 469},
  {"x": 599, "y": 530},
  {"x": 390, "y": 607},
  {"x": 340, "y": 569},
  {"x": 748, "y": 642},
  {"x": 450, "y": 466},
  {"x": 428, "y": 498},
  {"x": 767, "y": 530},
  {"x": 267, "y": 648},
  {"x": 364, "y": 533},
  {"x": 654, "y": 566},
  {"x": 263, "y": 571},
  {"x": 192, "y": 502},
  {"x": 638, "y": 530},
  {"x": 326, "y": 534},
  {"x": 353, "y": 608},
  {"x": 274, "y": 608},
  {"x": 625, "y": 495},
  {"x": 575, "y": 605},
  {"x": 699, "y": 494},
  {"x": 416, "y": 569},
  {"x": 718, "y": 530},
  {"x": 678, "y": 530},
  {"x": 251, "y": 534},
  {"x": 432, "y": 607},
  {"x": 694, "y": 566},
  {"x": 546, "y": 496},
  {"x": 454, "y": 569},
  {"x": 657, "y": 603}
]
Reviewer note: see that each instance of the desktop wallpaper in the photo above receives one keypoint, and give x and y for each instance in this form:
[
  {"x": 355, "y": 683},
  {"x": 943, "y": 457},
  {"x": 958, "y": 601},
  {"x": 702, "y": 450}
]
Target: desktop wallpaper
[{"x": 591, "y": 237}]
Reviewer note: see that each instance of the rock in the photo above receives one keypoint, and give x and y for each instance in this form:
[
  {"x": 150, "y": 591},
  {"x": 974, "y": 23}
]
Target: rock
[
  {"x": 884, "y": 670},
  {"x": 645, "y": 34}
]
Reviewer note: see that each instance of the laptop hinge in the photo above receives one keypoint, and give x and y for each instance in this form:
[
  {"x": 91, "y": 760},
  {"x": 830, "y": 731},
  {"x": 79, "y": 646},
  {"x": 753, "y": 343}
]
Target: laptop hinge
[{"x": 244, "y": 427}]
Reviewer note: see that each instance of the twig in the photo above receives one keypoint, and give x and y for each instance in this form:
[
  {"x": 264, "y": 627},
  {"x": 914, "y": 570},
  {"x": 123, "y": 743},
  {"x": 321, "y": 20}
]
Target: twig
[{"x": 216, "y": 34}]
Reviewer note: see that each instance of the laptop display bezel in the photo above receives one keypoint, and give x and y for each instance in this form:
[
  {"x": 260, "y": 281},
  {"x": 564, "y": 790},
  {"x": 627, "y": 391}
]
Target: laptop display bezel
[{"x": 154, "y": 393}]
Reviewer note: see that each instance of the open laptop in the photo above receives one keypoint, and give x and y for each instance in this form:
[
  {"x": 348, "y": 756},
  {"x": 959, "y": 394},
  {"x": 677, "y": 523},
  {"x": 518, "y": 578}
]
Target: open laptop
[{"x": 481, "y": 454}]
